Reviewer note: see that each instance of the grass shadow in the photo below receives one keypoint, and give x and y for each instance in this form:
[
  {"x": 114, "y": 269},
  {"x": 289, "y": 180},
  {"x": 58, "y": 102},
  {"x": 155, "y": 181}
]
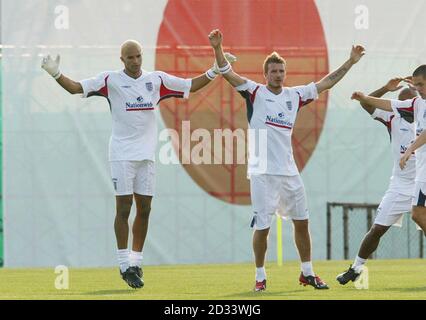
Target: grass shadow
[
  {"x": 252, "y": 294},
  {"x": 417, "y": 289},
  {"x": 109, "y": 292}
]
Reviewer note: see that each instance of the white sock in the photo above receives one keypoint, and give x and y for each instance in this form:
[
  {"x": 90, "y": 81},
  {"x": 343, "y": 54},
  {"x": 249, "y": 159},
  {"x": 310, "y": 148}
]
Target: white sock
[
  {"x": 135, "y": 258},
  {"x": 260, "y": 274},
  {"x": 123, "y": 259},
  {"x": 307, "y": 268},
  {"x": 358, "y": 264}
]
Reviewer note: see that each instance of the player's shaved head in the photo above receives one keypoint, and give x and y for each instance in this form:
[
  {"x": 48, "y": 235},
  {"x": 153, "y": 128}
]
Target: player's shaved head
[
  {"x": 129, "y": 47},
  {"x": 131, "y": 56},
  {"x": 407, "y": 93}
]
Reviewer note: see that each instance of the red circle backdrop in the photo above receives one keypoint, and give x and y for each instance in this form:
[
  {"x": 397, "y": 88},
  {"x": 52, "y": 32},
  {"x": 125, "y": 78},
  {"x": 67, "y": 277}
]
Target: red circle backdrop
[{"x": 252, "y": 29}]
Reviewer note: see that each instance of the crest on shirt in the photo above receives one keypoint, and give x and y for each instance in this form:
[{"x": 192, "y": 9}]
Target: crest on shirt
[
  {"x": 289, "y": 105},
  {"x": 149, "y": 86},
  {"x": 281, "y": 114}
]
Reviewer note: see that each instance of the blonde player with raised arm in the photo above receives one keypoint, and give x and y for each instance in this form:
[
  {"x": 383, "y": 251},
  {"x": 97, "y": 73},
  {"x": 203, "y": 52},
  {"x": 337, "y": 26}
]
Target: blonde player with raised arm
[
  {"x": 133, "y": 95},
  {"x": 277, "y": 186}
]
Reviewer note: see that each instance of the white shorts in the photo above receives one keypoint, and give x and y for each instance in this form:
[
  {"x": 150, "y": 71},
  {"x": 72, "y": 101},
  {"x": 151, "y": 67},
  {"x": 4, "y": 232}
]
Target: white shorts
[
  {"x": 392, "y": 208},
  {"x": 281, "y": 195},
  {"x": 130, "y": 177},
  {"x": 420, "y": 194}
]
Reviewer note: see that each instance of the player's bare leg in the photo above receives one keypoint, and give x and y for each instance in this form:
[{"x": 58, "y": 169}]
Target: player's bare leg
[
  {"x": 302, "y": 238},
  {"x": 260, "y": 245},
  {"x": 121, "y": 223},
  {"x": 121, "y": 227},
  {"x": 140, "y": 230},
  {"x": 371, "y": 240},
  {"x": 419, "y": 217},
  {"x": 140, "y": 225},
  {"x": 368, "y": 245}
]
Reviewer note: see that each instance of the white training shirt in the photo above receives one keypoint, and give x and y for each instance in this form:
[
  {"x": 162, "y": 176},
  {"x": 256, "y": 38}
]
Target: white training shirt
[
  {"x": 133, "y": 103},
  {"x": 275, "y": 114},
  {"x": 415, "y": 108},
  {"x": 402, "y": 132}
]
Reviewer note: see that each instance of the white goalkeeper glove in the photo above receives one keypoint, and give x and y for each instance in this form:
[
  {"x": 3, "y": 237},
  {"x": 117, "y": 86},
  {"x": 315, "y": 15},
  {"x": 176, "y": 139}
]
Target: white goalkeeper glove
[
  {"x": 51, "y": 66},
  {"x": 214, "y": 71}
]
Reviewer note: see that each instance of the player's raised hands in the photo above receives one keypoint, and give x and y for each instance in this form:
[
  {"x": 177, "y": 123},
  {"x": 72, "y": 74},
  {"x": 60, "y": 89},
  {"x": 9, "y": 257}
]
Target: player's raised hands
[
  {"x": 393, "y": 84},
  {"x": 215, "y": 38},
  {"x": 215, "y": 69},
  {"x": 356, "y": 53},
  {"x": 409, "y": 79},
  {"x": 51, "y": 66},
  {"x": 357, "y": 95}
]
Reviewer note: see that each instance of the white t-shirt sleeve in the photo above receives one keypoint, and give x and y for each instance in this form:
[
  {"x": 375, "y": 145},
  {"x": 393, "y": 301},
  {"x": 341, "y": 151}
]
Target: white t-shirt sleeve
[
  {"x": 306, "y": 93},
  {"x": 95, "y": 86},
  {"x": 379, "y": 114},
  {"x": 249, "y": 86},
  {"x": 405, "y": 109},
  {"x": 171, "y": 86}
]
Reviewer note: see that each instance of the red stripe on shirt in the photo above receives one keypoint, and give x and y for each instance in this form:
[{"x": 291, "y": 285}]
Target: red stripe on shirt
[
  {"x": 253, "y": 95},
  {"x": 168, "y": 93},
  {"x": 139, "y": 109},
  {"x": 303, "y": 103},
  {"x": 409, "y": 109},
  {"x": 104, "y": 90},
  {"x": 277, "y": 125}
]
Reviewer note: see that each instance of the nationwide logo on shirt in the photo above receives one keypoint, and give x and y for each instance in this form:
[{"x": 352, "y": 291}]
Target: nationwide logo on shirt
[
  {"x": 139, "y": 106},
  {"x": 278, "y": 122}
]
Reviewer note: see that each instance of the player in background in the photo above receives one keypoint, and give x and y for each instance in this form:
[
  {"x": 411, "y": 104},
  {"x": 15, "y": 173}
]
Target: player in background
[
  {"x": 133, "y": 95},
  {"x": 416, "y": 108},
  {"x": 399, "y": 196},
  {"x": 275, "y": 183}
]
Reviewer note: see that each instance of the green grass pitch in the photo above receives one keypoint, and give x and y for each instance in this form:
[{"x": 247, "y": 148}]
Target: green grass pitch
[{"x": 388, "y": 279}]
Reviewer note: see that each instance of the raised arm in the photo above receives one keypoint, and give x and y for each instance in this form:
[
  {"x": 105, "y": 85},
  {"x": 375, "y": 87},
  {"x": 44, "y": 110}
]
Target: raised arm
[
  {"x": 332, "y": 78},
  {"x": 52, "y": 67},
  {"x": 392, "y": 85},
  {"x": 211, "y": 74},
  {"x": 379, "y": 103},
  {"x": 199, "y": 82},
  {"x": 225, "y": 68}
]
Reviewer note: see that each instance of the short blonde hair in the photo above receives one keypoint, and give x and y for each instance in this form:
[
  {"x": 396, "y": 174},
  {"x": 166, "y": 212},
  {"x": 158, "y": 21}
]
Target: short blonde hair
[{"x": 274, "y": 57}]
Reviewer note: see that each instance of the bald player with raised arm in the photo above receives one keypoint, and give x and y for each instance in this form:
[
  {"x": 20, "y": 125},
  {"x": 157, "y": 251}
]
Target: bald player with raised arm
[{"x": 133, "y": 95}]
